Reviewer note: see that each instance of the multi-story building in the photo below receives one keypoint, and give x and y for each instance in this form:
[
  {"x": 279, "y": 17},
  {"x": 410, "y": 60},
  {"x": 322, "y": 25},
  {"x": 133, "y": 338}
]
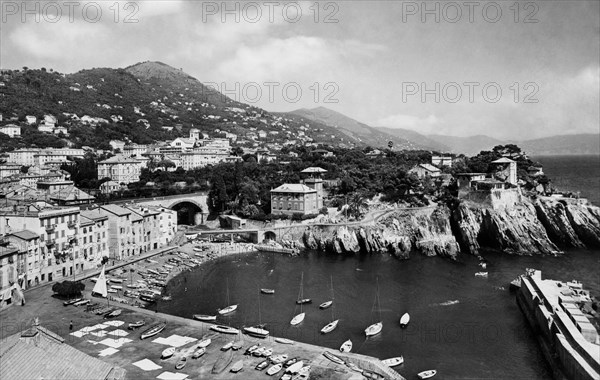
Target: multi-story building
[
  {"x": 134, "y": 150},
  {"x": 120, "y": 169},
  {"x": 291, "y": 198},
  {"x": 167, "y": 225},
  {"x": 11, "y": 130},
  {"x": 30, "y": 265},
  {"x": 150, "y": 227},
  {"x": 8, "y": 273},
  {"x": 202, "y": 158},
  {"x": 137, "y": 232},
  {"x": 120, "y": 233},
  {"x": 58, "y": 228},
  {"x": 97, "y": 235},
  {"x": 23, "y": 156},
  {"x": 9, "y": 169}
]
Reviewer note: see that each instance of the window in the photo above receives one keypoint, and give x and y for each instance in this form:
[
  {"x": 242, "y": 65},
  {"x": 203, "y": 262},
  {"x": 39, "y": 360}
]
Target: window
[
  {"x": 62, "y": 233},
  {"x": 62, "y": 219}
]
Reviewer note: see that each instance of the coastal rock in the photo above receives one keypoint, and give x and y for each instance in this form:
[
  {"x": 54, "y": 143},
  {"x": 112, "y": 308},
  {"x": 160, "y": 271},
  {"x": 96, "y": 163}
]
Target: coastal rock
[
  {"x": 309, "y": 240},
  {"x": 585, "y": 220},
  {"x": 346, "y": 240},
  {"x": 554, "y": 218}
]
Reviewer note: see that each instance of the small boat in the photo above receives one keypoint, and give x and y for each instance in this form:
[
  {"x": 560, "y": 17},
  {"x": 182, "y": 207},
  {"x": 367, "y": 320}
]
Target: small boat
[
  {"x": 330, "y": 327},
  {"x": 153, "y": 271},
  {"x": 114, "y": 313},
  {"x": 303, "y": 301},
  {"x": 256, "y": 331},
  {"x": 204, "y": 317},
  {"x": 199, "y": 352},
  {"x": 136, "y": 324},
  {"x": 481, "y": 274},
  {"x": 297, "y": 319},
  {"x": 111, "y": 290},
  {"x": 81, "y": 302},
  {"x": 284, "y": 341},
  {"x": 156, "y": 329},
  {"x": 346, "y": 346},
  {"x": 167, "y": 353},
  {"x": 325, "y": 305},
  {"x": 72, "y": 302},
  {"x": 237, "y": 366},
  {"x": 181, "y": 363},
  {"x": 286, "y": 376},
  {"x": 116, "y": 281},
  {"x": 267, "y": 291},
  {"x": 227, "y": 346},
  {"x": 333, "y": 358},
  {"x": 259, "y": 352},
  {"x": 167, "y": 298},
  {"x": 267, "y": 352},
  {"x": 404, "y": 320},
  {"x": 227, "y": 310},
  {"x": 372, "y": 375},
  {"x": 274, "y": 369},
  {"x": 392, "y": 362},
  {"x": 294, "y": 368},
  {"x": 205, "y": 342},
  {"x": 427, "y": 374},
  {"x": 148, "y": 298},
  {"x": 262, "y": 365},
  {"x": 277, "y": 359},
  {"x": 237, "y": 345},
  {"x": 251, "y": 349},
  {"x": 222, "y": 362},
  {"x": 374, "y": 329},
  {"x": 224, "y": 329},
  {"x": 289, "y": 362},
  {"x": 300, "y": 317}
]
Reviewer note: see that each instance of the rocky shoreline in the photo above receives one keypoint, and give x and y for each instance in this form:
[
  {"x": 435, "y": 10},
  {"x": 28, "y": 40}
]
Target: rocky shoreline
[{"x": 534, "y": 226}]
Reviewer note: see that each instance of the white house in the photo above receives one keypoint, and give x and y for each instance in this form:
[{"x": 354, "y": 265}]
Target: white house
[
  {"x": 11, "y": 130},
  {"x": 425, "y": 170}
]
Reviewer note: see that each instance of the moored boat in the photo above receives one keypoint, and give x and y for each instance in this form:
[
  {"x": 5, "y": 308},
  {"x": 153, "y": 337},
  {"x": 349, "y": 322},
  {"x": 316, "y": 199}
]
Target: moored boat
[
  {"x": 227, "y": 310},
  {"x": 346, "y": 346},
  {"x": 481, "y": 274},
  {"x": 289, "y": 362},
  {"x": 284, "y": 341},
  {"x": 237, "y": 345},
  {"x": 369, "y": 374},
  {"x": 300, "y": 317},
  {"x": 404, "y": 320},
  {"x": 237, "y": 366},
  {"x": 392, "y": 362},
  {"x": 262, "y": 365},
  {"x": 199, "y": 352},
  {"x": 181, "y": 363},
  {"x": 222, "y": 362},
  {"x": 297, "y": 319},
  {"x": 155, "y": 329},
  {"x": 251, "y": 349},
  {"x": 374, "y": 329},
  {"x": 227, "y": 346},
  {"x": 334, "y": 358},
  {"x": 205, "y": 317},
  {"x": 136, "y": 324},
  {"x": 167, "y": 353},
  {"x": 274, "y": 369},
  {"x": 81, "y": 302},
  {"x": 277, "y": 359},
  {"x": 427, "y": 374},
  {"x": 303, "y": 301},
  {"x": 325, "y": 305},
  {"x": 256, "y": 331},
  {"x": 71, "y": 302},
  {"x": 353, "y": 367},
  {"x": 294, "y": 368},
  {"x": 267, "y": 291},
  {"x": 114, "y": 313},
  {"x": 205, "y": 342},
  {"x": 330, "y": 327},
  {"x": 224, "y": 329}
]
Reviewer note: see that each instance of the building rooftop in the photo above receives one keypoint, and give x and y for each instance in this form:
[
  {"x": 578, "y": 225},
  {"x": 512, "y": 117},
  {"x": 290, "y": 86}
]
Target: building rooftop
[
  {"x": 314, "y": 169},
  {"x": 503, "y": 160},
  {"x": 293, "y": 188},
  {"x": 119, "y": 160},
  {"x": 39, "y": 353},
  {"x": 96, "y": 214},
  {"x": 429, "y": 167},
  {"x": 25, "y": 235},
  {"x": 116, "y": 210}
]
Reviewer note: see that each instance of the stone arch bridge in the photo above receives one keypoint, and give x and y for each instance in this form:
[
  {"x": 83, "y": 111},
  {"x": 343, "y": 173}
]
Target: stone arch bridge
[{"x": 191, "y": 208}]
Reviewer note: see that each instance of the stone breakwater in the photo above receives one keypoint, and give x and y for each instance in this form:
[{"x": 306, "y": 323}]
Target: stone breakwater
[{"x": 540, "y": 226}]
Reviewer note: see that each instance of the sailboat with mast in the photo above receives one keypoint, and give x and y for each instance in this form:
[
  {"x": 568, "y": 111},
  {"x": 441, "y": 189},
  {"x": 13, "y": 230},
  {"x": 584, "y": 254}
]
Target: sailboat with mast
[
  {"x": 334, "y": 322},
  {"x": 375, "y": 328},
  {"x": 300, "y": 317},
  {"x": 100, "y": 288},
  {"x": 257, "y": 331},
  {"x": 230, "y": 308}
]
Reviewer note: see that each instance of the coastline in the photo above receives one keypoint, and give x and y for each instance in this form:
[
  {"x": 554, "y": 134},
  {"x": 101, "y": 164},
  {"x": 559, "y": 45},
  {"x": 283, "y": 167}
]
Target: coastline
[{"x": 56, "y": 317}]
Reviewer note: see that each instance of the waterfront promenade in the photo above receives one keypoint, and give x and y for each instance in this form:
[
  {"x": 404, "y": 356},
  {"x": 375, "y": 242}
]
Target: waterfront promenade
[{"x": 56, "y": 317}]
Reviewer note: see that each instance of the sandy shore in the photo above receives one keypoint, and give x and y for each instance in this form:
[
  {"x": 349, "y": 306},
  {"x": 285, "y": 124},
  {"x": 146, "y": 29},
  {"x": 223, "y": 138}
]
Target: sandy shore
[{"x": 55, "y": 316}]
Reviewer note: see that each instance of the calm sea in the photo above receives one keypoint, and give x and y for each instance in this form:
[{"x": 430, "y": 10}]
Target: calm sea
[{"x": 462, "y": 325}]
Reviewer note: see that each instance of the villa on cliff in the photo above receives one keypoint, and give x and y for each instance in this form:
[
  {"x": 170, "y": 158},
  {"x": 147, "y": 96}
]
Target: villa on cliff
[
  {"x": 304, "y": 198},
  {"x": 498, "y": 189}
]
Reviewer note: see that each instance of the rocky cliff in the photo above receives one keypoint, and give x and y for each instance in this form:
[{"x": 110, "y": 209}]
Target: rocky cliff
[
  {"x": 427, "y": 231},
  {"x": 540, "y": 226}
]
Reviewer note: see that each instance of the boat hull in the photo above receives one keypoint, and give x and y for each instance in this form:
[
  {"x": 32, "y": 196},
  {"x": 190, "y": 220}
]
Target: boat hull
[
  {"x": 297, "y": 319},
  {"x": 427, "y": 374},
  {"x": 206, "y": 318},
  {"x": 154, "y": 330},
  {"x": 228, "y": 309},
  {"x": 225, "y": 329},
  {"x": 330, "y": 327},
  {"x": 374, "y": 329}
]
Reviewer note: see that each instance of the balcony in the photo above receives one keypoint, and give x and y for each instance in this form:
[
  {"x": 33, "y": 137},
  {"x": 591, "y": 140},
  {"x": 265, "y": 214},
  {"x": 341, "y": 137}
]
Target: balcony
[
  {"x": 50, "y": 242},
  {"x": 3, "y": 242},
  {"x": 72, "y": 224},
  {"x": 50, "y": 228}
]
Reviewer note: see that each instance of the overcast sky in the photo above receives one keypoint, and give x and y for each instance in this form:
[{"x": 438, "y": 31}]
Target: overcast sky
[{"x": 370, "y": 60}]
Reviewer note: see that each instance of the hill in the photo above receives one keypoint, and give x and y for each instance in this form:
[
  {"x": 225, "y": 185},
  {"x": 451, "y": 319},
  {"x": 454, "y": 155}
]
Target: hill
[
  {"x": 356, "y": 130},
  {"x": 417, "y": 138},
  {"x": 466, "y": 145}
]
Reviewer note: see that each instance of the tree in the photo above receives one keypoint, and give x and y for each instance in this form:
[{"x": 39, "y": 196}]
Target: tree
[{"x": 68, "y": 289}]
